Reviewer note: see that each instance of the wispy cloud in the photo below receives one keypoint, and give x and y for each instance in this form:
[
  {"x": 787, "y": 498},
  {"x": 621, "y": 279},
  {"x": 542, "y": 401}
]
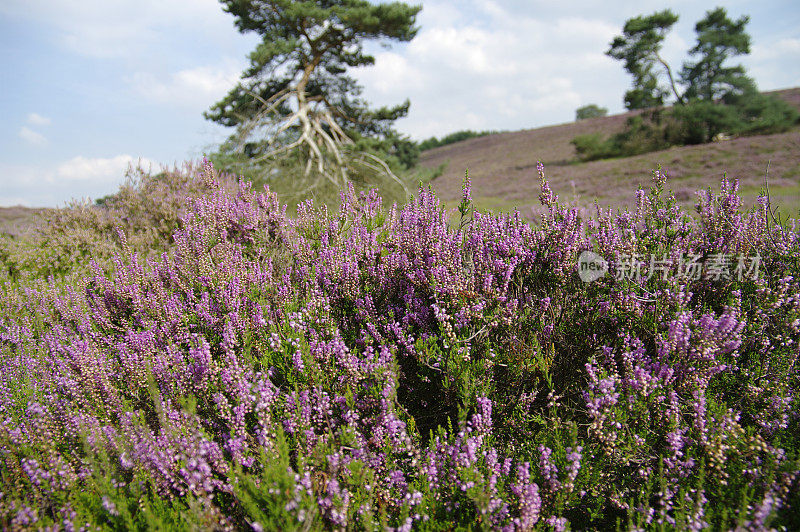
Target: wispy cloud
[
  {"x": 200, "y": 86},
  {"x": 475, "y": 64},
  {"x": 31, "y": 136},
  {"x": 110, "y": 170},
  {"x": 72, "y": 179},
  {"x": 768, "y": 61},
  {"x": 38, "y": 120},
  {"x": 504, "y": 69},
  {"x": 122, "y": 28}
]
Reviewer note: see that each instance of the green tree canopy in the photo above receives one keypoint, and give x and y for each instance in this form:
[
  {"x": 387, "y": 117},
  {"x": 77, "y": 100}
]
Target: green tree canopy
[
  {"x": 296, "y": 93},
  {"x": 639, "y": 48},
  {"x": 708, "y": 78},
  {"x": 718, "y": 39},
  {"x": 590, "y": 111},
  {"x": 716, "y": 98}
]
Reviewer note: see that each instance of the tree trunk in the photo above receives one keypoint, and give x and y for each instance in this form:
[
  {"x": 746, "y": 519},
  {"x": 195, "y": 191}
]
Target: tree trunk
[{"x": 671, "y": 79}]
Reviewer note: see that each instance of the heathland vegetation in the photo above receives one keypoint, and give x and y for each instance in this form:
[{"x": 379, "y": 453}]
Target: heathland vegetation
[
  {"x": 377, "y": 366},
  {"x": 199, "y": 352}
]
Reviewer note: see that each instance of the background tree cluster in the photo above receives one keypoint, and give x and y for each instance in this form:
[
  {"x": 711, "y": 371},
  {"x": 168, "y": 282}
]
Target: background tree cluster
[
  {"x": 452, "y": 138},
  {"x": 709, "y": 96},
  {"x": 301, "y": 125},
  {"x": 590, "y": 111}
]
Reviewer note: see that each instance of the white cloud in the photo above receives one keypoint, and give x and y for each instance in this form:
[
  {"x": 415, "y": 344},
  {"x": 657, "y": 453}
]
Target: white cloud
[
  {"x": 503, "y": 69},
  {"x": 768, "y": 63},
  {"x": 771, "y": 51},
  {"x": 38, "y": 120},
  {"x": 442, "y": 14},
  {"x": 517, "y": 64},
  {"x": 49, "y": 185},
  {"x": 99, "y": 170},
  {"x": 475, "y": 64},
  {"x": 391, "y": 72},
  {"x": 585, "y": 29},
  {"x": 470, "y": 48},
  {"x": 120, "y": 28},
  {"x": 193, "y": 87},
  {"x": 32, "y": 137}
]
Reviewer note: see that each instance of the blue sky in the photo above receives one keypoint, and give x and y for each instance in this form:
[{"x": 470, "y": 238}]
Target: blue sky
[{"x": 87, "y": 87}]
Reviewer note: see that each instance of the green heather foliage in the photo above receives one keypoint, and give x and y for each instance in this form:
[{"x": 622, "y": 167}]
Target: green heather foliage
[
  {"x": 374, "y": 368},
  {"x": 287, "y": 179}
]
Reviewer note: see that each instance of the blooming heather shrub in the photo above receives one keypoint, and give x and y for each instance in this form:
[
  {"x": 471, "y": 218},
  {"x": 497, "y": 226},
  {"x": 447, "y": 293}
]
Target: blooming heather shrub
[
  {"x": 147, "y": 209},
  {"x": 376, "y": 368}
]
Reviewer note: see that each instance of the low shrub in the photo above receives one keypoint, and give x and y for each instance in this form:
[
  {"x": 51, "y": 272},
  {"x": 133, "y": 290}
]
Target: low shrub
[
  {"x": 146, "y": 210},
  {"x": 452, "y": 138},
  {"x": 590, "y": 111}
]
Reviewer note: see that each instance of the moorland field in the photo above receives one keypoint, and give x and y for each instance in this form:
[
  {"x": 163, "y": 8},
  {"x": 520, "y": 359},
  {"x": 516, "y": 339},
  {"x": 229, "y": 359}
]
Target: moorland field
[{"x": 502, "y": 167}]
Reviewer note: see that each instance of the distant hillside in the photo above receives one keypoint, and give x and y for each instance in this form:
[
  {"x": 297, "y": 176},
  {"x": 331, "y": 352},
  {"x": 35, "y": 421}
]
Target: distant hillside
[
  {"x": 17, "y": 220},
  {"x": 502, "y": 167}
]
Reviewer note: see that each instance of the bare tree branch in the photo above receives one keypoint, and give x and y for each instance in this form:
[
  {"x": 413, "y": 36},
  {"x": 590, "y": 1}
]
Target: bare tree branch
[{"x": 318, "y": 133}]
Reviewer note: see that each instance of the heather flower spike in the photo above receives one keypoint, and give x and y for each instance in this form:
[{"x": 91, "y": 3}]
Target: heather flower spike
[{"x": 466, "y": 207}]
